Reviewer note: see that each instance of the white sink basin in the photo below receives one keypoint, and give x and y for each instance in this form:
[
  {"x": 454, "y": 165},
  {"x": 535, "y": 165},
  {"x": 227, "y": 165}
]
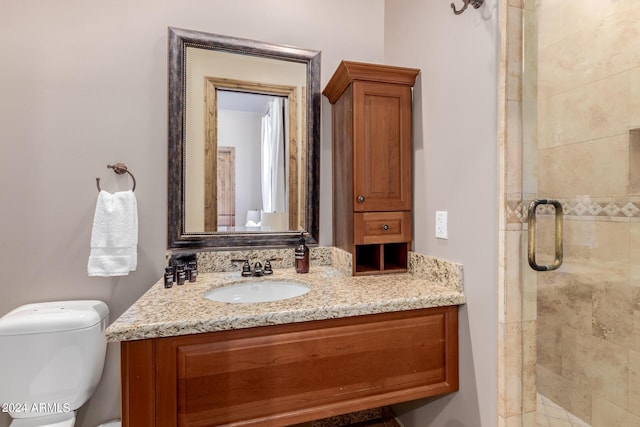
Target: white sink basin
[{"x": 258, "y": 291}]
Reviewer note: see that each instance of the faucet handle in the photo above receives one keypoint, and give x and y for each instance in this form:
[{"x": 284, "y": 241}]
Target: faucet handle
[
  {"x": 267, "y": 268},
  {"x": 246, "y": 268}
]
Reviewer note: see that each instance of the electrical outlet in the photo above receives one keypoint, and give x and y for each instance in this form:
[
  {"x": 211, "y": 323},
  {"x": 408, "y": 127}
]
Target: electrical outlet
[{"x": 441, "y": 224}]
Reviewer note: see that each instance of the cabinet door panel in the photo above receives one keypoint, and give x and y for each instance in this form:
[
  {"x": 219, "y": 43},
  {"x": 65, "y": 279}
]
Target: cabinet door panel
[
  {"x": 293, "y": 373},
  {"x": 382, "y": 147}
]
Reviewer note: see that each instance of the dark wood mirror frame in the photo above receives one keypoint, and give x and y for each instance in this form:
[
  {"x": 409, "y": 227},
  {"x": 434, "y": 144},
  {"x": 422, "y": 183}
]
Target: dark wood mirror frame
[{"x": 177, "y": 238}]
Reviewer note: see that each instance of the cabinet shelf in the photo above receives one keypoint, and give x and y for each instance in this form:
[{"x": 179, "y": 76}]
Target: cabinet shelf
[{"x": 381, "y": 258}]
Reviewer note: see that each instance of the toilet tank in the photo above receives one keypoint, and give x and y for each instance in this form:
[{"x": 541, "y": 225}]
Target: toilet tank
[{"x": 51, "y": 356}]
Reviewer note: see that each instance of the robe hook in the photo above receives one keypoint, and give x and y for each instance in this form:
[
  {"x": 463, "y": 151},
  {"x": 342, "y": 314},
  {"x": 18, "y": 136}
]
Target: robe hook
[{"x": 475, "y": 3}]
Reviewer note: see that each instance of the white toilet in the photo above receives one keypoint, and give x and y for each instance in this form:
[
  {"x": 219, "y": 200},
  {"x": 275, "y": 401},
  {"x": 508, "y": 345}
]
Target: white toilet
[{"x": 51, "y": 360}]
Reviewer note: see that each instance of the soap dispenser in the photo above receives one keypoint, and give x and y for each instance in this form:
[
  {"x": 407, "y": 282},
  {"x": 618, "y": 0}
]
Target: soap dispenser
[{"x": 302, "y": 256}]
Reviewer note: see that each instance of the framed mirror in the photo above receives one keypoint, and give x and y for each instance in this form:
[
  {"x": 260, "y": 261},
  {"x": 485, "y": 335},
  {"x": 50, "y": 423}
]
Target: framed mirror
[{"x": 244, "y": 142}]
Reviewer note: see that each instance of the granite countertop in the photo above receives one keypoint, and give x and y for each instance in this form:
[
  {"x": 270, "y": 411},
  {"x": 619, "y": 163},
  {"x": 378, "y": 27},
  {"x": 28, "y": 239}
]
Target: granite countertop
[{"x": 183, "y": 310}]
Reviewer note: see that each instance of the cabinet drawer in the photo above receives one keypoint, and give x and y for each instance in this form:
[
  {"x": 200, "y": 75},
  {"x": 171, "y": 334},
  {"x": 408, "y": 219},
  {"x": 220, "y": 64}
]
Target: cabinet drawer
[{"x": 382, "y": 227}]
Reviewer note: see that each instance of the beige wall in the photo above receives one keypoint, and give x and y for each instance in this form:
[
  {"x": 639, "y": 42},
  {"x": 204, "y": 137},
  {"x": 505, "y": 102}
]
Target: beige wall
[
  {"x": 82, "y": 84},
  {"x": 455, "y": 158},
  {"x": 588, "y": 102}
]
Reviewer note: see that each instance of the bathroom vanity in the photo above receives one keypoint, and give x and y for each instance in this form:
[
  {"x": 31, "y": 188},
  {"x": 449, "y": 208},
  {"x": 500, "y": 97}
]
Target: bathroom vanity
[{"x": 350, "y": 343}]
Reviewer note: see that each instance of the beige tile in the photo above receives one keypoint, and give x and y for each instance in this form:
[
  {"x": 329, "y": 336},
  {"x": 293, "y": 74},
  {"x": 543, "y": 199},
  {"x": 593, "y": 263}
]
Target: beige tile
[
  {"x": 595, "y": 364},
  {"x": 585, "y": 242},
  {"x": 513, "y": 421},
  {"x": 564, "y": 300},
  {"x": 585, "y": 15},
  {"x": 616, "y": 314},
  {"x": 634, "y": 98},
  {"x": 565, "y": 64},
  {"x": 529, "y": 367},
  {"x": 541, "y": 420},
  {"x": 557, "y": 391},
  {"x": 550, "y": 118},
  {"x": 634, "y": 382},
  {"x": 596, "y": 168},
  {"x": 554, "y": 386},
  {"x": 529, "y": 419},
  {"x": 608, "y": 414},
  {"x": 550, "y": 14},
  {"x": 529, "y": 285},
  {"x": 514, "y": 54},
  {"x": 583, "y": 42},
  {"x": 549, "y": 350},
  {"x": 515, "y": 3},
  {"x": 580, "y": 403},
  {"x": 553, "y": 422},
  {"x": 513, "y": 369},
  {"x": 502, "y": 370},
  {"x": 514, "y": 147},
  {"x": 634, "y": 160},
  {"x": 513, "y": 286},
  {"x": 634, "y": 254},
  {"x": 601, "y": 241},
  {"x": 529, "y": 104},
  {"x": 597, "y": 110},
  {"x": 615, "y": 41}
]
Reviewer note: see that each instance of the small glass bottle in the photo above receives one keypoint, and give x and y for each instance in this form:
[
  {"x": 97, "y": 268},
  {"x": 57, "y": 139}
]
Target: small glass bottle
[
  {"x": 302, "y": 256},
  {"x": 181, "y": 275},
  {"x": 168, "y": 277},
  {"x": 193, "y": 271}
]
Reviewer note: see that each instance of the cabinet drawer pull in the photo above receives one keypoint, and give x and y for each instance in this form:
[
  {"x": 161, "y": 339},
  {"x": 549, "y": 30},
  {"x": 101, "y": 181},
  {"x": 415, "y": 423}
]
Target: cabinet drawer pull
[
  {"x": 385, "y": 227},
  {"x": 360, "y": 199}
]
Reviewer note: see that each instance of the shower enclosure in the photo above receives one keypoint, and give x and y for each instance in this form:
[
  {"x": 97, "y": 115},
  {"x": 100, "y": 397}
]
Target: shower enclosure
[{"x": 580, "y": 130}]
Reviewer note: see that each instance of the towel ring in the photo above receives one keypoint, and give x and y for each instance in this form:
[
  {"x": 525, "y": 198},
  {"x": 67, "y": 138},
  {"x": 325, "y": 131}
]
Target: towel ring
[{"x": 119, "y": 168}]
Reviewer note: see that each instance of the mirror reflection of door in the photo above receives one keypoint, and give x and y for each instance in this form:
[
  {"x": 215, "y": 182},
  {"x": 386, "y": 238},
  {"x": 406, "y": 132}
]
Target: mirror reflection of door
[{"x": 226, "y": 187}]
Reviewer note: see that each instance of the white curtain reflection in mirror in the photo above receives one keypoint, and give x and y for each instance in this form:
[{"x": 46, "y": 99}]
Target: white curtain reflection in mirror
[{"x": 272, "y": 165}]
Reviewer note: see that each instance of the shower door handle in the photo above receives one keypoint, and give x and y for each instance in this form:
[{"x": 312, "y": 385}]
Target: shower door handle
[{"x": 532, "y": 235}]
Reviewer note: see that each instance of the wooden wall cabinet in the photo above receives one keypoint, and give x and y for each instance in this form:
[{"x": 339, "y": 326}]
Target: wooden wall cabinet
[
  {"x": 372, "y": 155},
  {"x": 286, "y": 374}
]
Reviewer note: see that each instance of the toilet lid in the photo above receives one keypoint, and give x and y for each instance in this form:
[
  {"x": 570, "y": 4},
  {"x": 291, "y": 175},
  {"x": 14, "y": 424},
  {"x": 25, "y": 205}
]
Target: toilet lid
[{"x": 50, "y": 317}]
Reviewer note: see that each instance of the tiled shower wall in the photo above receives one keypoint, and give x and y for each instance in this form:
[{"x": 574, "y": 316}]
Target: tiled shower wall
[
  {"x": 576, "y": 142},
  {"x": 588, "y": 331}
]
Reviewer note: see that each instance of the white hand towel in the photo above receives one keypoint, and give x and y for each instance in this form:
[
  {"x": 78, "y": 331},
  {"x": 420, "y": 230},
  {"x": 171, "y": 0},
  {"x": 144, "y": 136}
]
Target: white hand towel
[{"x": 114, "y": 238}]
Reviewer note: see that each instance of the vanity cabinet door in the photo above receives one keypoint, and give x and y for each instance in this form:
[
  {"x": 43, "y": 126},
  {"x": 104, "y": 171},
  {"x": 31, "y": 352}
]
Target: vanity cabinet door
[
  {"x": 286, "y": 374},
  {"x": 382, "y": 147}
]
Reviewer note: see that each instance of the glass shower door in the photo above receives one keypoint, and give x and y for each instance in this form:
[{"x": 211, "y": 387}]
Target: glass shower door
[{"x": 581, "y": 133}]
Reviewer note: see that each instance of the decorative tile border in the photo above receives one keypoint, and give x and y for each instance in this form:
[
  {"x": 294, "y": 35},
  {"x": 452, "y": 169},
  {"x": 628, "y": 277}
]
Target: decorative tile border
[{"x": 516, "y": 210}]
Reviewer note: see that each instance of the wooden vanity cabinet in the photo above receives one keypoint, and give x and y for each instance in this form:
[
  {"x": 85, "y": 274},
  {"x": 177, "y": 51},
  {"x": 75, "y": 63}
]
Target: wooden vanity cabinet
[
  {"x": 286, "y": 374},
  {"x": 372, "y": 154}
]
